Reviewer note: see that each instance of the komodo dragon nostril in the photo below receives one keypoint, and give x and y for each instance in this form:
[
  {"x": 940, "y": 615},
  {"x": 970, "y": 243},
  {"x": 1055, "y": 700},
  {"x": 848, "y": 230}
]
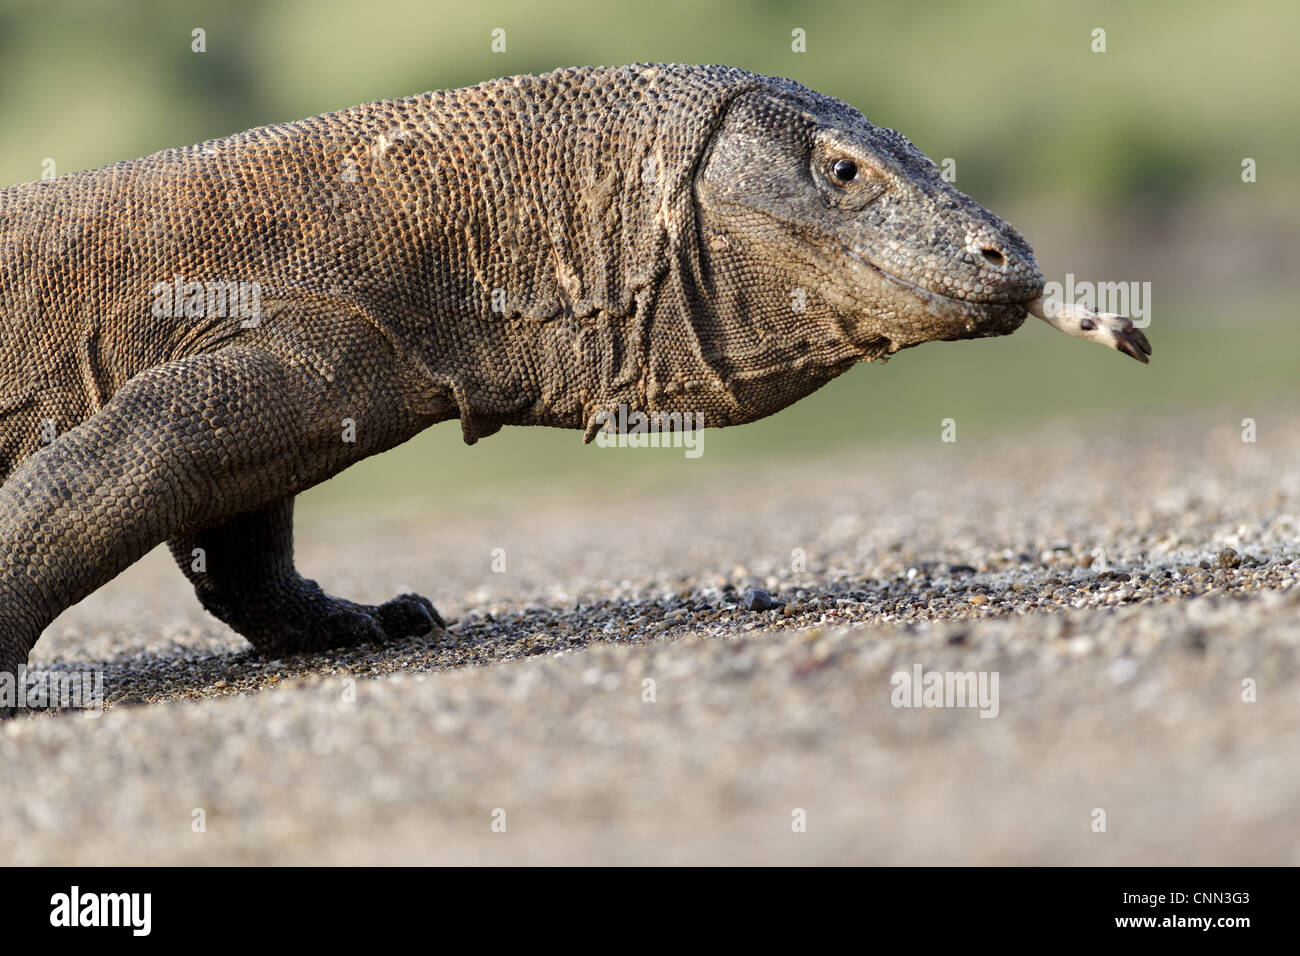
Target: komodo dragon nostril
[{"x": 994, "y": 257}]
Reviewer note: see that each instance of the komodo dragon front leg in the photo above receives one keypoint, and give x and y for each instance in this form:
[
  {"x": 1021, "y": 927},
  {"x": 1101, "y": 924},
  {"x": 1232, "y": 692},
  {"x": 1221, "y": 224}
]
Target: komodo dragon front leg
[
  {"x": 188, "y": 446},
  {"x": 1106, "y": 328},
  {"x": 243, "y": 573}
]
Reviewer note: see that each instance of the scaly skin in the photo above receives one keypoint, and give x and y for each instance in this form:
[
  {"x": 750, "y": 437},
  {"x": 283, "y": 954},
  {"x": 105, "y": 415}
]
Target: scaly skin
[{"x": 532, "y": 251}]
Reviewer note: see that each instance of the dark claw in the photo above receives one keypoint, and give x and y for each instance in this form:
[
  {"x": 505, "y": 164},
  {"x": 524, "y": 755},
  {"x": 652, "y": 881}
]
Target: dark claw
[
  {"x": 1142, "y": 342},
  {"x": 1133, "y": 343},
  {"x": 1131, "y": 340}
]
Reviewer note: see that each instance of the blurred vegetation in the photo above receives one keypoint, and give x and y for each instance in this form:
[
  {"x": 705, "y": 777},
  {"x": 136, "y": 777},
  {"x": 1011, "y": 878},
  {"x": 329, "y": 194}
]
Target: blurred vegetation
[
  {"x": 1008, "y": 87},
  {"x": 1126, "y": 163}
]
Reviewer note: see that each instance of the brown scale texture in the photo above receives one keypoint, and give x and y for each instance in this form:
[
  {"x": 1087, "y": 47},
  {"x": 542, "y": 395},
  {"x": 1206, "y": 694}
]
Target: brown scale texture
[{"x": 527, "y": 251}]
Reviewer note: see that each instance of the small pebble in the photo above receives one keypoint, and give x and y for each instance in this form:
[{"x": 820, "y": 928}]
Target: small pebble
[
  {"x": 1228, "y": 558},
  {"x": 756, "y": 599}
]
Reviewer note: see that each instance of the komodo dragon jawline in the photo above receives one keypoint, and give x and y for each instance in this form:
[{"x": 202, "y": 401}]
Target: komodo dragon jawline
[{"x": 536, "y": 250}]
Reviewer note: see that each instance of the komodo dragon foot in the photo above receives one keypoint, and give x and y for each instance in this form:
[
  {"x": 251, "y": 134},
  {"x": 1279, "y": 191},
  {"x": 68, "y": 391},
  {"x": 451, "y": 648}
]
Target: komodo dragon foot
[
  {"x": 243, "y": 574},
  {"x": 304, "y": 618},
  {"x": 1106, "y": 328}
]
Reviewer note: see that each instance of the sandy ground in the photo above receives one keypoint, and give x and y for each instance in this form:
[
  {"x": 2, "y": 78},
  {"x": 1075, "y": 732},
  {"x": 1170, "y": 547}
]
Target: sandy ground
[{"x": 609, "y": 698}]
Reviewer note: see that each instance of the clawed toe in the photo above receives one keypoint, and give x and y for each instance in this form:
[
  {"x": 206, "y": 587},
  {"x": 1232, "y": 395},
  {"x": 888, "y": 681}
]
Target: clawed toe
[
  {"x": 1127, "y": 338},
  {"x": 409, "y": 615},
  {"x": 1116, "y": 331}
]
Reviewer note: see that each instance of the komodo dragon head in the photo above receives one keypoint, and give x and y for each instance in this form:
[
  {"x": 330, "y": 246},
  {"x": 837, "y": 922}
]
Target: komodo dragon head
[{"x": 825, "y": 235}]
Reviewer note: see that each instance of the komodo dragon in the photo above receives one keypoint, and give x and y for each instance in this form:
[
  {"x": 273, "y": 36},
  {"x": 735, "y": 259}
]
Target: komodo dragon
[{"x": 536, "y": 250}]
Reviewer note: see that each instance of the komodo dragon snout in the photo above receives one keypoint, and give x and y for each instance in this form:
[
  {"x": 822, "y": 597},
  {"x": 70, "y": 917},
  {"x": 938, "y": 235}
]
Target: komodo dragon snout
[{"x": 875, "y": 244}]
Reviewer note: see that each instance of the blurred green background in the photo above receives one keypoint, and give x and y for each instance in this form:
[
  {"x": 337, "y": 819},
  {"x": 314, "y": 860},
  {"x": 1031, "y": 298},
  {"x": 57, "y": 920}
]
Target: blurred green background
[{"x": 1117, "y": 166}]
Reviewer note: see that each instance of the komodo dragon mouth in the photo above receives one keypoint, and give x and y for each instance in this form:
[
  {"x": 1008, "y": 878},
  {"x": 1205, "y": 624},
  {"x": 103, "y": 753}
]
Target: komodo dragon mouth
[
  {"x": 990, "y": 313},
  {"x": 1105, "y": 328}
]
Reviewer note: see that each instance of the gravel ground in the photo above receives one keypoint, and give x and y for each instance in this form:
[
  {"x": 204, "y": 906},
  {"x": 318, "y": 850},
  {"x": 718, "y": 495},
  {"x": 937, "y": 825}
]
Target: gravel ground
[{"x": 1128, "y": 588}]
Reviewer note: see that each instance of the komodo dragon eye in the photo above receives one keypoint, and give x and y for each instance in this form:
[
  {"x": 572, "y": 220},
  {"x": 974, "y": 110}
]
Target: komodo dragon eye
[{"x": 844, "y": 171}]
